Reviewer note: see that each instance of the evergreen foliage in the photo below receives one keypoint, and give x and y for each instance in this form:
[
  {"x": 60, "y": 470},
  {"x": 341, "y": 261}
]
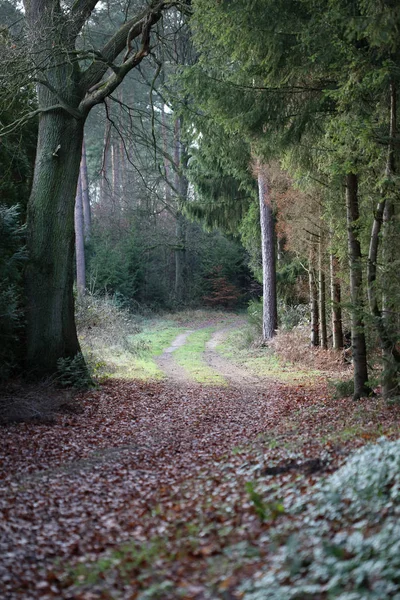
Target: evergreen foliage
[{"x": 12, "y": 257}]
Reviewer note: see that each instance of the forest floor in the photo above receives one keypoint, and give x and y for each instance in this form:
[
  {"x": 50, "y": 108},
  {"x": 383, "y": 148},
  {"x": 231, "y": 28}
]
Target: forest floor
[{"x": 168, "y": 488}]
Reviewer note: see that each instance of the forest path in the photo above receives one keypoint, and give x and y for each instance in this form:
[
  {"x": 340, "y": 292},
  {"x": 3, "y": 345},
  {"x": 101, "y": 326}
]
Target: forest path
[
  {"x": 233, "y": 373},
  {"x": 168, "y": 365},
  {"x": 148, "y": 492},
  {"x": 224, "y": 370}
]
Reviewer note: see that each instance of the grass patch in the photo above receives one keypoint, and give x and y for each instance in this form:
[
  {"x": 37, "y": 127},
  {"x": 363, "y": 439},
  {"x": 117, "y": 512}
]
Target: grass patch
[
  {"x": 190, "y": 357},
  {"x": 116, "y": 344},
  {"x": 151, "y": 342},
  {"x": 263, "y": 361}
]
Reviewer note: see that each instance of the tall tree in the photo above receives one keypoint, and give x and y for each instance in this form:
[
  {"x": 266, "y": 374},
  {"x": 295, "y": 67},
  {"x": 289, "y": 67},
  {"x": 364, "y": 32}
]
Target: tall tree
[
  {"x": 71, "y": 80},
  {"x": 270, "y": 313}
]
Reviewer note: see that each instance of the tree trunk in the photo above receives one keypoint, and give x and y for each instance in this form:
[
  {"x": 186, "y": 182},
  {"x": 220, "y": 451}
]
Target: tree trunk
[
  {"x": 167, "y": 166},
  {"x": 270, "y": 313},
  {"x": 391, "y": 357},
  {"x": 322, "y": 299},
  {"x": 313, "y": 300},
  {"x": 181, "y": 185},
  {"x": 80, "y": 240},
  {"x": 104, "y": 174},
  {"x": 337, "y": 327},
  {"x": 383, "y": 220},
  {"x": 87, "y": 216},
  {"x": 180, "y": 258},
  {"x": 359, "y": 349},
  {"x": 51, "y": 332},
  {"x": 65, "y": 97}
]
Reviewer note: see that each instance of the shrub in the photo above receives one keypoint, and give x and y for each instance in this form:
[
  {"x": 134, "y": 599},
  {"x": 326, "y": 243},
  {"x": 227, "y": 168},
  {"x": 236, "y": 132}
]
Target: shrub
[
  {"x": 73, "y": 372},
  {"x": 291, "y": 316},
  {"x": 12, "y": 256},
  {"x": 341, "y": 389},
  {"x": 222, "y": 292},
  {"x": 255, "y": 315},
  {"x": 104, "y": 326}
]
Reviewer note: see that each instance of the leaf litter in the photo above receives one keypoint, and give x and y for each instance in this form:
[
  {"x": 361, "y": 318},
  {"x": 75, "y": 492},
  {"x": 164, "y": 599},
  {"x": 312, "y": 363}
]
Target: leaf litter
[{"x": 159, "y": 491}]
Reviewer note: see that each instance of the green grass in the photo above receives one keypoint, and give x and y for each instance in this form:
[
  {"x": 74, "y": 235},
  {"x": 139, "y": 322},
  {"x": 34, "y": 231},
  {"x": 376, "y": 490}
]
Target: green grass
[
  {"x": 190, "y": 357},
  {"x": 157, "y": 336},
  {"x": 262, "y": 361},
  {"x": 137, "y": 360}
]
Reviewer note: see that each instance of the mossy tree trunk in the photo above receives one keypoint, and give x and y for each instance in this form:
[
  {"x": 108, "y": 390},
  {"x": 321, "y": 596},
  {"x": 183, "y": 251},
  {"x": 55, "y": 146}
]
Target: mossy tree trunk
[
  {"x": 358, "y": 344},
  {"x": 51, "y": 331},
  {"x": 65, "y": 97}
]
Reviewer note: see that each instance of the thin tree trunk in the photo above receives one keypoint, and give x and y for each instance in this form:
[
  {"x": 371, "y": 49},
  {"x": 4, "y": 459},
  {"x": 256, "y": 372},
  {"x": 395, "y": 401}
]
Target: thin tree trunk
[
  {"x": 104, "y": 183},
  {"x": 167, "y": 166},
  {"x": 383, "y": 221},
  {"x": 359, "y": 348},
  {"x": 87, "y": 217},
  {"x": 123, "y": 169},
  {"x": 180, "y": 258},
  {"x": 270, "y": 313},
  {"x": 391, "y": 356},
  {"x": 181, "y": 185},
  {"x": 322, "y": 298},
  {"x": 337, "y": 327},
  {"x": 114, "y": 175},
  {"x": 80, "y": 240},
  {"x": 313, "y": 300}
]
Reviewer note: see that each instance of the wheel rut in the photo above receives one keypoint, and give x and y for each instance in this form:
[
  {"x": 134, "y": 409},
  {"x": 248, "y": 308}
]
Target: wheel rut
[{"x": 232, "y": 373}]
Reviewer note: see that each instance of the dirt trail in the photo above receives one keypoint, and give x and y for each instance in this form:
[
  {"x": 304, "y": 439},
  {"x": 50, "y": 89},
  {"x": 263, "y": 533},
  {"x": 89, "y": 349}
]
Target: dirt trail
[
  {"x": 232, "y": 373},
  {"x": 167, "y": 363}
]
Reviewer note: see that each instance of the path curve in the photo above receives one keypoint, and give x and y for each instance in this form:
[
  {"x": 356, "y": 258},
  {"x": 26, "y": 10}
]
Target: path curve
[{"x": 233, "y": 374}]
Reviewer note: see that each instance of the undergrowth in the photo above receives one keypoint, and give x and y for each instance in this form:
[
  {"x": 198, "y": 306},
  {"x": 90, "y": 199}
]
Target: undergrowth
[
  {"x": 240, "y": 347},
  {"x": 116, "y": 343},
  {"x": 347, "y": 541}
]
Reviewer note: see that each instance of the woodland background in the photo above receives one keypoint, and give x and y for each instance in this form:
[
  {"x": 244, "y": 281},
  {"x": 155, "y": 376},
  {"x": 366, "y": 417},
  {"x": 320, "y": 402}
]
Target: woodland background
[{"x": 248, "y": 145}]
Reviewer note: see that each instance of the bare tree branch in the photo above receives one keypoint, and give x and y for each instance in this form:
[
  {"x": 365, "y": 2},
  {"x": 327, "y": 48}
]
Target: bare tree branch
[
  {"x": 28, "y": 116},
  {"x": 80, "y": 12},
  {"x": 122, "y": 39}
]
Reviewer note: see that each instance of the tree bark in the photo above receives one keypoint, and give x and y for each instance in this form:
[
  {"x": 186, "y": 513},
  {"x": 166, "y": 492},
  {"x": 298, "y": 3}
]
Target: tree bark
[
  {"x": 270, "y": 313},
  {"x": 167, "y": 166},
  {"x": 322, "y": 298},
  {"x": 65, "y": 97},
  {"x": 337, "y": 327},
  {"x": 51, "y": 331},
  {"x": 181, "y": 185},
  {"x": 80, "y": 240},
  {"x": 314, "y": 337},
  {"x": 180, "y": 258},
  {"x": 87, "y": 215},
  {"x": 104, "y": 174},
  {"x": 383, "y": 220},
  {"x": 358, "y": 344}
]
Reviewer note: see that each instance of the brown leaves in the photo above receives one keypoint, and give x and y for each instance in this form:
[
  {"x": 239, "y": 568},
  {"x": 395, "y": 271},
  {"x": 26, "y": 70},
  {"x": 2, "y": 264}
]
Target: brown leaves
[{"x": 153, "y": 477}]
